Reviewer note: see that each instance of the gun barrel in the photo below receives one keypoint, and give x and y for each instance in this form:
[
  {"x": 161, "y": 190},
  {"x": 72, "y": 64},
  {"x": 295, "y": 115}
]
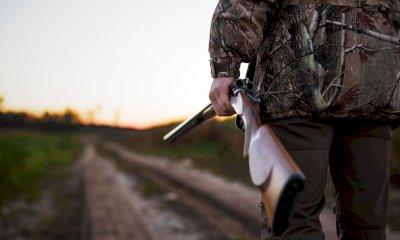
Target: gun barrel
[{"x": 190, "y": 123}]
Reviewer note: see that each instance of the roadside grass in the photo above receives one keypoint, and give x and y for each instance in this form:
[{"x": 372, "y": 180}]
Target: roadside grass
[
  {"x": 31, "y": 159},
  {"x": 216, "y": 146}
]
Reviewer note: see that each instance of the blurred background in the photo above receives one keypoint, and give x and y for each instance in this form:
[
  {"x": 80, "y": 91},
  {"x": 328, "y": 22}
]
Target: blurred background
[
  {"x": 113, "y": 62},
  {"x": 87, "y": 90}
]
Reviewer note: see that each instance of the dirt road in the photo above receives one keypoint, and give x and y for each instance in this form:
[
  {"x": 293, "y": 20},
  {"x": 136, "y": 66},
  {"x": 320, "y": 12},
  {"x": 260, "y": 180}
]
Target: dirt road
[
  {"x": 111, "y": 212},
  {"x": 113, "y": 193},
  {"x": 191, "y": 204}
]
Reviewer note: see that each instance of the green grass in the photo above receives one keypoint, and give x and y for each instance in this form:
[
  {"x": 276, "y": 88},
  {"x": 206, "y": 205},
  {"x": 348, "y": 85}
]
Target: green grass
[
  {"x": 215, "y": 146},
  {"x": 29, "y": 158}
]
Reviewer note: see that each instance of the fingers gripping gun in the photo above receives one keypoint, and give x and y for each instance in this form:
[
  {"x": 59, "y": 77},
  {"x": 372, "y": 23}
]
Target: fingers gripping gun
[{"x": 272, "y": 170}]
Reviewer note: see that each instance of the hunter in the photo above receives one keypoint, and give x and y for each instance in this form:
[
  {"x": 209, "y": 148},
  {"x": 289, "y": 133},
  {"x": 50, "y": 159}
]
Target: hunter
[{"x": 327, "y": 73}]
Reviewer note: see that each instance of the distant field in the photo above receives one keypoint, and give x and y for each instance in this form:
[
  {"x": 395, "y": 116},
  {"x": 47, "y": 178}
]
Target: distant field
[
  {"x": 29, "y": 159},
  {"x": 215, "y": 146}
]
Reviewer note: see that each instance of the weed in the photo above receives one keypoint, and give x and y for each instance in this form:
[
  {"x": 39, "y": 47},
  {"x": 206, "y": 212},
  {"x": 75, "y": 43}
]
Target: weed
[{"x": 29, "y": 159}]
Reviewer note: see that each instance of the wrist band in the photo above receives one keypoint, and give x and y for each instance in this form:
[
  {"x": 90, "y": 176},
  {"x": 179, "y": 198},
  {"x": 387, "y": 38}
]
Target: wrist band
[{"x": 224, "y": 67}]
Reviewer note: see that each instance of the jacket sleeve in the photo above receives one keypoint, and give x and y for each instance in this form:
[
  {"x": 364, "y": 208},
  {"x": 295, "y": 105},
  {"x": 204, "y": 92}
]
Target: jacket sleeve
[{"x": 236, "y": 33}]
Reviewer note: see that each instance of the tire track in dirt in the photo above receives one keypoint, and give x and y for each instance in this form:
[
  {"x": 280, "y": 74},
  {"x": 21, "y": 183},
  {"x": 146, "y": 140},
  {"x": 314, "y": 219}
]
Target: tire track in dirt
[
  {"x": 237, "y": 201},
  {"x": 110, "y": 213},
  {"x": 230, "y": 209}
]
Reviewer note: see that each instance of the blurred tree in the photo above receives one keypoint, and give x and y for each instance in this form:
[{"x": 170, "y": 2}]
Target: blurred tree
[
  {"x": 1, "y": 103},
  {"x": 53, "y": 121},
  {"x": 70, "y": 117},
  {"x": 15, "y": 119}
]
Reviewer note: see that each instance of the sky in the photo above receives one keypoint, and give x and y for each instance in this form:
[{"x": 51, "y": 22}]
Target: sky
[{"x": 124, "y": 62}]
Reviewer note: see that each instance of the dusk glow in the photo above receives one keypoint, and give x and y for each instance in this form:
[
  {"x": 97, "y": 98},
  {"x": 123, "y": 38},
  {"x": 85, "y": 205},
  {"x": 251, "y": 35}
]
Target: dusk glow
[{"x": 131, "y": 63}]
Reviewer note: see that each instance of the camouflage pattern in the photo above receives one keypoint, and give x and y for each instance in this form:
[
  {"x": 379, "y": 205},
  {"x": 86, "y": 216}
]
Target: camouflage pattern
[{"x": 321, "y": 60}]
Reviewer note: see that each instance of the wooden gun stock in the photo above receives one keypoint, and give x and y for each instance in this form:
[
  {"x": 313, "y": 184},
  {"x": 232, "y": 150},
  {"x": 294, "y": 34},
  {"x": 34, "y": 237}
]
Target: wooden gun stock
[{"x": 272, "y": 169}]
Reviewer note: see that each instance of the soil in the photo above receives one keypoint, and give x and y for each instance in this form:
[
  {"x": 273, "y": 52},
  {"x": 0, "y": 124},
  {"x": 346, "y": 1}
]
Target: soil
[
  {"x": 115, "y": 193},
  {"x": 56, "y": 214}
]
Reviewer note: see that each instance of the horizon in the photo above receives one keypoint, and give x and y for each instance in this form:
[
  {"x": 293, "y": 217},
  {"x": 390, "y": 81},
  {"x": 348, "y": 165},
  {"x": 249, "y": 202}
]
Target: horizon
[
  {"x": 126, "y": 63},
  {"x": 94, "y": 122},
  {"x": 84, "y": 121}
]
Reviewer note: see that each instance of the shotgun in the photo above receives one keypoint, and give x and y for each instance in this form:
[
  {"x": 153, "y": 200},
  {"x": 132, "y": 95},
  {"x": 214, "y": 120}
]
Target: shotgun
[{"x": 272, "y": 169}]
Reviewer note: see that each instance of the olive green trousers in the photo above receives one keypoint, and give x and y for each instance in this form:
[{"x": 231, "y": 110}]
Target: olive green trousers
[{"x": 357, "y": 155}]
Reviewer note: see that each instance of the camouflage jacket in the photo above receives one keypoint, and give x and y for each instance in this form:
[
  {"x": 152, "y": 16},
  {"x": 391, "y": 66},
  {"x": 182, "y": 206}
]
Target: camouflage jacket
[{"x": 319, "y": 58}]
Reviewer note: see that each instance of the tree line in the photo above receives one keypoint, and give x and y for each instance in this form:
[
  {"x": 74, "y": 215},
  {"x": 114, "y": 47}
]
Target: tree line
[{"x": 67, "y": 120}]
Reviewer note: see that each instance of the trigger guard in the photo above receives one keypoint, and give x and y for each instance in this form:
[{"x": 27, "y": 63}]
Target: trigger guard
[{"x": 239, "y": 123}]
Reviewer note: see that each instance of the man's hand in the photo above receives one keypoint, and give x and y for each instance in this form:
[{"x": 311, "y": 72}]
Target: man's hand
[{"x": 219, "y": 96}]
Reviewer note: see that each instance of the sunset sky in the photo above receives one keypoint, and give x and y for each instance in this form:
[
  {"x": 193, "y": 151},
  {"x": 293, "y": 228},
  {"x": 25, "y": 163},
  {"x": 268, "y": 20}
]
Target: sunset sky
[{"x": 135, "y": 63}]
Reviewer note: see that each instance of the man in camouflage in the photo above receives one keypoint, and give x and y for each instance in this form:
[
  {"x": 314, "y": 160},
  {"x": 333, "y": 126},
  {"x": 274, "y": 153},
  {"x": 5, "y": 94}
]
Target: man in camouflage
[{"x": 327, "y": 73}]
